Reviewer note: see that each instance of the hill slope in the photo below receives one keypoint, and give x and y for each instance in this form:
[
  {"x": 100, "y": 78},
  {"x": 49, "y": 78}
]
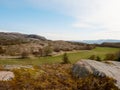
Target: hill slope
[
  {"x": 18, "y": 38},
  {"x": 17, "y": 43}
]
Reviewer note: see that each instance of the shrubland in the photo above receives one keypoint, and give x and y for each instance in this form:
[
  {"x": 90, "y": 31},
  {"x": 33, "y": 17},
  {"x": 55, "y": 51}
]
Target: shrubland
[
  {"x": 55, "y": 77},
  {"x": 95, "y": 57},
  {"x": 108, "y": 44},
  {"x": 113, "y": 56}
]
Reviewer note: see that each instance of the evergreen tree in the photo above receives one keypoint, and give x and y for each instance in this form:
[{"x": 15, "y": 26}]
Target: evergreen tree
[{"x": 65, "y": 59}]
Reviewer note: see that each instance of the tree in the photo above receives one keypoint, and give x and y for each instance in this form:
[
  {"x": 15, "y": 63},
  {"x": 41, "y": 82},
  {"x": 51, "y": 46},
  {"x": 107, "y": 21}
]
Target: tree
[{"x": 65, "y": 59}]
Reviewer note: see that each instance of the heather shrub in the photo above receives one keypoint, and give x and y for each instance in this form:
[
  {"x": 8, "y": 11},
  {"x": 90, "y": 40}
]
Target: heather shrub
[
  {"x": 24, "y": 55},
  {"x": 55, "y": 77},
  {"x": 117, "y": 56},
  {"x": 2, "y": 51},
  {"x": 94, "y": 57},
  {"x": 114, "y": 56},
  {"x": 56, "y": 49},
  {"x": 109, "y": 56},
  {"x": 47, "y": 51}
]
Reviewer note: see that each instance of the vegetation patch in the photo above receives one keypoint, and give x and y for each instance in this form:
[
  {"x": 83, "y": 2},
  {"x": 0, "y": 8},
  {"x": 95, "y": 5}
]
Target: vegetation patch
[
  {"x": 57, "y": 77},
  {"x": 73, "y": 57}
]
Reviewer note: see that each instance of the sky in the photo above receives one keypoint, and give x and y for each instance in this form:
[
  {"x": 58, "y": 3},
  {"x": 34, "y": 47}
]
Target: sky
[{"x": 62, "y": 19}]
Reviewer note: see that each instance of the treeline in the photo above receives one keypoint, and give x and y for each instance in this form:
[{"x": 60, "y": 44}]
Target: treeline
[{"x": 108, "y": 44}]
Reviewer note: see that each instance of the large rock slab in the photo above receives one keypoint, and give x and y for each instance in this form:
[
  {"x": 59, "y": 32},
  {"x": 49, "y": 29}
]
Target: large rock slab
[
  {"x": 110, "y": 69},
  {"x": 6, "y": 75}
]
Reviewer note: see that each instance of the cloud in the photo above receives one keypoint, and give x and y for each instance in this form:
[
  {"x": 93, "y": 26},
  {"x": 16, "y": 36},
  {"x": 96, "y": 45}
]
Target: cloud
[
  {"x": 100, "y": 15},
  {"x": 3, "y": 30},
  {"x": 58, "y": 36},
  {"x": 107, "y": 16},
  {"x": 81, "y": 36},
  {"x": 87, "y": 13},
  {"x": 102, "y": 12},
  {"x": 105, "y": 35}
]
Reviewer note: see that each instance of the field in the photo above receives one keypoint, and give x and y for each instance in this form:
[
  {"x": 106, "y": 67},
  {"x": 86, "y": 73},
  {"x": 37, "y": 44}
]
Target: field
[{"x": 74, "y": 57}]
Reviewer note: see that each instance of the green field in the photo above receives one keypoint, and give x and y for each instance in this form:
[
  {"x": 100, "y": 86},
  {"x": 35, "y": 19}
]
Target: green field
[{"x": 74, "y": 57}]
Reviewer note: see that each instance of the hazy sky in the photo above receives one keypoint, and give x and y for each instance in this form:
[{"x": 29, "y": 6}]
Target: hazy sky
[{"x": 62, "y": 19}]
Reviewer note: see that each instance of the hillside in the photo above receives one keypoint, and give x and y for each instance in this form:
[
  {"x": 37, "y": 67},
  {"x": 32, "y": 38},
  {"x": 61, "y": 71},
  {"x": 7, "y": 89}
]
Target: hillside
[
  {"x": 16, "y": 44},
  {"x": 110, "y": 44},
  {"x": 18, "y": 38}
]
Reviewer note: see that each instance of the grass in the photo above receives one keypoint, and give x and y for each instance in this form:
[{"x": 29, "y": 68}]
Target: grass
[{"x": 74, "y": 57}]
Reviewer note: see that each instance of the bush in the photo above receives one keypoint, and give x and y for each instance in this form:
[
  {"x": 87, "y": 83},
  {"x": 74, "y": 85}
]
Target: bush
[
  {"x": 65, "y": 59},
  {"x": 57, "y": 49},
  {"x": 24, "y": 55},
  {"x": 96, "y": 83},
  {"x": 47, "y": 51},
  {"x": 41, "y": 52},
  {"x": 117, "y": 56},
  {"x": 98, "y": 58},
  {"x": 88, "y": 47},
  {"x": 110, "y": 56},
  {"x": 92, "y": 57},
  {"x": 2, "y": 51}
]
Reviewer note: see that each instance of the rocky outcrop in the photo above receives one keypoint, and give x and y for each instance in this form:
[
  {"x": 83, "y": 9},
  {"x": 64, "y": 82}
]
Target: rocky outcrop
[
  {"x": 33, "y": 36},
  {"x": 12, "y": 67},
  {"x": 15, "y": 44},
  {"x": 6, "y": 75},
  {"x": 110, "y": 69},
  {"x": 18, "y": 38}
]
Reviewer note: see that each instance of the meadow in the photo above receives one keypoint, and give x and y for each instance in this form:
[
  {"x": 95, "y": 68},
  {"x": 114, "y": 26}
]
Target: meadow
[{"x": 73, "y": 57}]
